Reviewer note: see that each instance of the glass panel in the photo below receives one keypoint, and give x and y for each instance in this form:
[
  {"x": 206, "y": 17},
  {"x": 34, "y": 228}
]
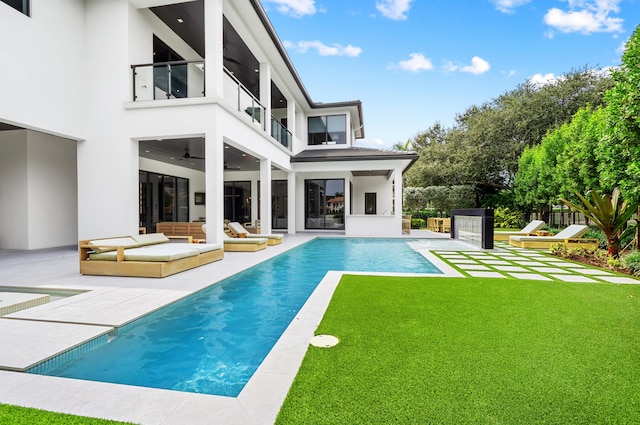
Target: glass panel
[
  {"x": 315, "y": 204},
  {"x": 143, "y": 80},
  {"x": 370, "y": 203},
  {"x": 168, "y": 199},
  {"x": 178, "y": 81},
  {"x": 182, "y": 201},
  {"x": 337, "y": 129},
  {"x": 161, "y": 82},
  {"x": 334, "y": 218},
  {"x": 279, "y": 204}
]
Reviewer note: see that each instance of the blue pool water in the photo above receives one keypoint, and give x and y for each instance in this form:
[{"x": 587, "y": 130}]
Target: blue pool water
[{"x": 213, "y": 341}]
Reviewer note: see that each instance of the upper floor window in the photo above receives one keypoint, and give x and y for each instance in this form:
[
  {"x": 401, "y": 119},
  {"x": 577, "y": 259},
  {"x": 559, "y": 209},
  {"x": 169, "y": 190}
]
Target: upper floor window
[
  {"x": 330, "y": 129},
  {"x": 19, "y": 5}
]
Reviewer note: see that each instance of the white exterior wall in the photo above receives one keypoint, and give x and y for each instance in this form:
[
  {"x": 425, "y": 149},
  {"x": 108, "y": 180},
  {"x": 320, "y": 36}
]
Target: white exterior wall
[
  {"x": 43, "y": 67},
  {"x": 13, "y": 190},
  {"x": 380, "y": 185},
  {"x": 38, "y": 202}
]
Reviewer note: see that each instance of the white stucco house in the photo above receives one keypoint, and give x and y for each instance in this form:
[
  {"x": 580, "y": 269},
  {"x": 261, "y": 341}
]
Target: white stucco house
[{"x": 118, "y": 114}]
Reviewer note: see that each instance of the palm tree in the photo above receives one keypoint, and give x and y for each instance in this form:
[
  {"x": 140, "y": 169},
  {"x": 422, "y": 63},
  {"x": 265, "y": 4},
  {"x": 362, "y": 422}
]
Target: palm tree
[
  {"x": 406, "y": 146},
  {"x": 609, "y": 212}
]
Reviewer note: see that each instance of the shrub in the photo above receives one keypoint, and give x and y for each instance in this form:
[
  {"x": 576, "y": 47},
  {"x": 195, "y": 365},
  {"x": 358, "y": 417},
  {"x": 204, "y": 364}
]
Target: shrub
[
  {"x": 632, "y": 262},
  {"x": 504, "y": 217},
  {"x": 417, "y": 223}
]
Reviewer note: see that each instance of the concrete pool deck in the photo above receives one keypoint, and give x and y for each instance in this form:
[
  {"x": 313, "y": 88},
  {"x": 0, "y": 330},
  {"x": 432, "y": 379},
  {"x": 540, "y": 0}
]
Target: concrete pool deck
[{"x": 37, "y": 333}]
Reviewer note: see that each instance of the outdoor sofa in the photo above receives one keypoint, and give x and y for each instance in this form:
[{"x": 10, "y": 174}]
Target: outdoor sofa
[
  {"x": 149, "y": 255},
  {"x": 569, "y": 237},
  {"x": 529, "y": 230}
]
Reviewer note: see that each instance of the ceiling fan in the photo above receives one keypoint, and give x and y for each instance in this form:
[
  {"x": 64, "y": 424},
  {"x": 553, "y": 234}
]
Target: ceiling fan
[{"x": 187, "y": 155}]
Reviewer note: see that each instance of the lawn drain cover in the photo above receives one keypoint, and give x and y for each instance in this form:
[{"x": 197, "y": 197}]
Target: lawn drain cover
[{"x": 324, "y": 341}]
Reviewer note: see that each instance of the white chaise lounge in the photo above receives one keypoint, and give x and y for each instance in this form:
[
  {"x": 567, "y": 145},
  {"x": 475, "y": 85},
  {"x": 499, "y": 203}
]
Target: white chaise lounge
[
  {"x": 569, "y": 237},
  {"x": 240, "y": 232},
  {"x": 528, "y": 230}
]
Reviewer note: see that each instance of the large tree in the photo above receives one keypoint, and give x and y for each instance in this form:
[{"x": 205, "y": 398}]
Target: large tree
[{"x": 620, "y": 148}]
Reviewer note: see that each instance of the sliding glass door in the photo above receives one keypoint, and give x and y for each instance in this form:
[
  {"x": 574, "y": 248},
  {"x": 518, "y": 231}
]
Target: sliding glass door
[
  {"x": 162, "y": 198},
  {"x": 324, "y": 200}
]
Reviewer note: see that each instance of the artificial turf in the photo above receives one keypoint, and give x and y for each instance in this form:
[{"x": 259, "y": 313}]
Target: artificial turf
[
  {"x": 472, "y": 351},
  {"x": 16, "y": 415}
]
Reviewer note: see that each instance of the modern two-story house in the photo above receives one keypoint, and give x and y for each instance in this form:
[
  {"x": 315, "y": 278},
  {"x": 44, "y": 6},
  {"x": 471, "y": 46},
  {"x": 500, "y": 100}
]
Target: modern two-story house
[{"x": 119, "y": 114}]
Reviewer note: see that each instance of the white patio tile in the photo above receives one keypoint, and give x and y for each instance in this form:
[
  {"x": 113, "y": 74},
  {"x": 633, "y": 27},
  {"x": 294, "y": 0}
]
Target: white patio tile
[
  {"x": 574, "y": 278},
  {"x": 592, "y": 272},
  {"x": 486, "y": 274},
  {"x": 529, "y": 263},
  {"x": 528, "y": 276},
  {"x": 619, "y": 279},
  {"x": 496, "y": 262},
  {"x": 465, "y": 261},
  {"x": 510, "y": 269},
  {"x": 551, "y": 270},
  {"x": 473, "y": 267}
]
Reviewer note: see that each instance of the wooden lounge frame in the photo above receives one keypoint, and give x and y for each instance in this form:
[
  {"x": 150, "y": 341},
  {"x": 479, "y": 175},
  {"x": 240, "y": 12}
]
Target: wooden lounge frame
[
  {"x": 542, "y": 242},
  {"x": 122, "y": 267}
]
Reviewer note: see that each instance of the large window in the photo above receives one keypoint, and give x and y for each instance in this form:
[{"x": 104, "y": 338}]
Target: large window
[
  {"x": 327, "y": 130},
  {"x": 325, "y": 204},
  {"x": 19, "y": 5},
  {"x": 162, "y": 198},
  {"x": 237, "y": 201}
]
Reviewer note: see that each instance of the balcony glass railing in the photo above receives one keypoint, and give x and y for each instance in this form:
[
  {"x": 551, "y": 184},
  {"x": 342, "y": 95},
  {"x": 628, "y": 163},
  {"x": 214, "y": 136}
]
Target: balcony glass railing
[
  {"x": 237, "y": 95},
  {"x": 280, "y": 133},
  {"x": 168, "y": 80}
]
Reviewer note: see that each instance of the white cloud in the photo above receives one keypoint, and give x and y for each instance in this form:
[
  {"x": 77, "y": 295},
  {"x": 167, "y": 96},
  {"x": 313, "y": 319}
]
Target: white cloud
[
  {"x": 509, "y": 74},
  {"x": 508, "y": 6},
  {"x": 323, "y": 49},
  {"x": 450, "y": 66},
  {"x": 296, "y": 8},
  {"x": 478, "y": 66},
  {"x": 372, "y": 142},
  {"x": 394, "y": 9},
  {"x": 542, "y": 80},
  {"x": 416, "y": 63},
  {"x": 586, "y": 17}
]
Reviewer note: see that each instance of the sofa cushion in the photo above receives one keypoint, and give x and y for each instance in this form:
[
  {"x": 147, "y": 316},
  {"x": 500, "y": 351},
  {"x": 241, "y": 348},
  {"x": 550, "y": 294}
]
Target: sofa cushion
[
  {"x": 150, "y": 239},
  {"x": 154, "y": 253},
  {"x": 105, "y": 245}
]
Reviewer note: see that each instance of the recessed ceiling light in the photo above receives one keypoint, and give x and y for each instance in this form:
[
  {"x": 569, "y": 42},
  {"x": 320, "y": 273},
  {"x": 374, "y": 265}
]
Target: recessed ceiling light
[
  {"x": 244, "y": 154},
  {"x": 180, "y": 20}
]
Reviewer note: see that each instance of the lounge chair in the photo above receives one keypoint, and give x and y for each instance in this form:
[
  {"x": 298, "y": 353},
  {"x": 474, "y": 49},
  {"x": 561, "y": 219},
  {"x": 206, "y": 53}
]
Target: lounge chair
[
  {"x": 569, "y": 237},
  {"x": 244, "y": 244},
  {"x": 239, "y": 231},
  {"x": 528, "y": 230},
  {"x": 240, "y": 244}
]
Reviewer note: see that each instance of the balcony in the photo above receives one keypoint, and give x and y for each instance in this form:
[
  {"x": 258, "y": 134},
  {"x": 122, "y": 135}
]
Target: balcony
[
  {"x": 168, "y": 80},
  {"x": 185, "y": 79}
]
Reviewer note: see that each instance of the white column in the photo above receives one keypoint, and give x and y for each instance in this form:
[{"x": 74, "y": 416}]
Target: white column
[
  {"x": 213, "y": 49},
  {"x": 265, "y": 94},
  {"x": 291, "y": 203},
  {"x": 398, "y": 199},
  {"x": 214, "y": 179},
  {"x": 291, "y": 117},
  {"x": 265, "y": 195}
]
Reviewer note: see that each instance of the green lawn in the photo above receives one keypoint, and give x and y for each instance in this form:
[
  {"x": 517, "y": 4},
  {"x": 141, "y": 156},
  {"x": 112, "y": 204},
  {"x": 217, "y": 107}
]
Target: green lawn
[
  {"x": 473, "y": 351},
  {"x": 15, "y": 415}
]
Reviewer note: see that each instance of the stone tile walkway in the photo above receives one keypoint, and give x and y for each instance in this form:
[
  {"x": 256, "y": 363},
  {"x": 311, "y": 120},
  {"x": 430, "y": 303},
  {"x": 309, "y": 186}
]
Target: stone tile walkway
[{"x": 517, "y": 263}]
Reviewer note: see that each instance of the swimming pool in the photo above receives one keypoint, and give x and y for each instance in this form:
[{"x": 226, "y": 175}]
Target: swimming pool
[{"x": 213, "y": 341}]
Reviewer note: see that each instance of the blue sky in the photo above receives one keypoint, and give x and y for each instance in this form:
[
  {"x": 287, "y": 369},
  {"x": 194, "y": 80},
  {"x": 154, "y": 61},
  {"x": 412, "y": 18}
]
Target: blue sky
[{"x": 415, "y": 62}]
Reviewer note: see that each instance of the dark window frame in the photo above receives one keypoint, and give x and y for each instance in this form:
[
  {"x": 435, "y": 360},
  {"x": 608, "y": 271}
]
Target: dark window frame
[
  {"x": 329, "y": 136},
  {"x": 368, "y": 201},
  {"x": 22, "y": 6}
]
